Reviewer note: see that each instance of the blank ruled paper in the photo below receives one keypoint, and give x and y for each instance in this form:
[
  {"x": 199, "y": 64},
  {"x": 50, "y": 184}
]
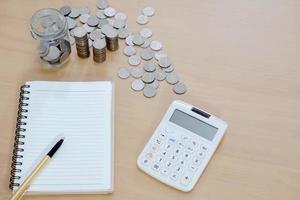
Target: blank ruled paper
[{"x": 82, "y": 113}]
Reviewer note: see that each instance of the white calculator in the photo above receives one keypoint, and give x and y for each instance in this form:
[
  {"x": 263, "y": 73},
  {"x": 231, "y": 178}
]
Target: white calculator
[{"x": 181, "y": 146}]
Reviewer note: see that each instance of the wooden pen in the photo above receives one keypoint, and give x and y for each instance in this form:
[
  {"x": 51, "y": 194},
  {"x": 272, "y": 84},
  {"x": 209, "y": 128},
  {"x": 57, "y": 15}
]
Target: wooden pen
[{"x": 26, "y": 184}]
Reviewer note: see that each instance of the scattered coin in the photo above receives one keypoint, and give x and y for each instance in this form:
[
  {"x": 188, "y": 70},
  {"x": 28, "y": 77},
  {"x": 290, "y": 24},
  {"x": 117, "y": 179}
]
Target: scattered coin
[
  {"x": 102, "y": 4},
  {"x": 84, "y": 18},
  {"x": 148, "y": 77},
  {"x": 65, "y": 10},
  {"x": 137, "y": 85},
  {"x": 169, "y": 69},
  {"x": 119, "y": 23},
  {"x": 155, "y": 84},
  {"x": 159, "y": 54},
  {"x": 100, "y": 14},
  {"x": 172, "y": 78},
  {"x": 109, "y": 11},
  {"x": 102, "y": 22},
  {"x": 142, "y": 19},
  {"x": 146, "y": 43},
  {"x": 71, "y": 23},
  {"x": 179, "y": 88},
  {"x": 148, "y": 11},
  {"x": 160, "y": 75},
  {"x": 129, "y": 50},
  {"x": 156, "y": 45},
  {"x": 149, "y": 91},
  {"x": 146, "y": 32},
  {"x": 121, "y": 16},
  {"x": 129, "y": 40},
  {"x": 123, "y": 73},
  {"x": 74, "y": 13},
  {"x": 136, "y": 72},
  {"x": 138, "y": 39},
  {"x": 164, "y": 62},
  {"x": 123, "y": 33},
  {"x": 92, "y": 21},
  {"x": 84, "y": 10},
  {"x": 149, "y": 66},
  {"x": 96, "y": 34},
  {"x": 134, "y": 60},
  {"x": 147, "y": 54}
]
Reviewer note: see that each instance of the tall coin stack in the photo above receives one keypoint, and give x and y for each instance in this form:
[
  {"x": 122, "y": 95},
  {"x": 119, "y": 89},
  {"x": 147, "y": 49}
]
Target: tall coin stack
[
  {"x": 99, "y": 50},
  {"x": 82, "y": 43},
  {"x": 112, "y": 40}
]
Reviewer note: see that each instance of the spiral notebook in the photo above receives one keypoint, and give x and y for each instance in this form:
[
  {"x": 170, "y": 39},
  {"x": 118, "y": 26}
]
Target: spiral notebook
[{"x": 82, "y": 112}]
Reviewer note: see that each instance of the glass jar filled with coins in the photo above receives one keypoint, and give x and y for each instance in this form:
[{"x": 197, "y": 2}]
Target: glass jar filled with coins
[{"x": 49, "y": 27}]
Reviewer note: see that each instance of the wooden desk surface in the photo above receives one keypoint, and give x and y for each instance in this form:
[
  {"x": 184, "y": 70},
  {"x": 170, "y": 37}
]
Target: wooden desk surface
[{"x": 240, "y": 61}]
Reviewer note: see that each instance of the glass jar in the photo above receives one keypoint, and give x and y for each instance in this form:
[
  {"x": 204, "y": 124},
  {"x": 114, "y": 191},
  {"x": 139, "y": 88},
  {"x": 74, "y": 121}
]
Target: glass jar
[{"x": 49, "y": 27}]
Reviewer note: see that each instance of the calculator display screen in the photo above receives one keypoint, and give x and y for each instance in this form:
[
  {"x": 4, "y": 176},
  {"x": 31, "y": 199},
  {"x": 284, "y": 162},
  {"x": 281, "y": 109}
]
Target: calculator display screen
[{"x": 193, "y": 124}]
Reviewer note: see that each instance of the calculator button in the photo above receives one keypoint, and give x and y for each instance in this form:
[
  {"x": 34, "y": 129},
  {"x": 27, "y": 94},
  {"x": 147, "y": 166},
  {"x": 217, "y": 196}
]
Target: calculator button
[
  {"x": 190, "y": 149},
  {"x": 185, "y": 139},
  {"x": 168, "y": 146},
  {"x": 146, "y": 161},
  {"x": 193, "y": 167},
  {"x": 164, "y": 153},
  {"x": 186, "y": 155},
  {"x": 174, "y": 176},
  {"x": 178, "y": 169},
  {"x": 177, "y": 151},
  {"x": 197, "y": 161},
  {"x": 162, "y": 135},
  {"x": 169, "y": 165},
  {"x": 158, "y": 141},
  {"x": 200, "y": 154},
  {"x": 159, "y": 159},
  {"x": 165, "y": 172},
  {"x": 181, "y": 144},
  {"x": 149, "y": 156},
  {"x": 204, "y": 147},
  {"x": 186, "y": 178},
  {"x": 194, "y": 143},
  {"x": 173, "y": 158},
  {"x": 182, "y": 162},
  {"x": 156, "y": 167},
  {"x": 154, "y": 147}
]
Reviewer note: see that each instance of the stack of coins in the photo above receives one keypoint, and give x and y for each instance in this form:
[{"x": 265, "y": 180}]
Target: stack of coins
[
  {"x": 99, "y": 50},
  {"x": 112, "y": 42},
  {"x": 82, "y": 42}
]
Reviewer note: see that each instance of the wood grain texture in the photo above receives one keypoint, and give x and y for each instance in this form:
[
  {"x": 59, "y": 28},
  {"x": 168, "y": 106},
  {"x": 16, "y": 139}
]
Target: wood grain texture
[{"x": 240, "y": 60}]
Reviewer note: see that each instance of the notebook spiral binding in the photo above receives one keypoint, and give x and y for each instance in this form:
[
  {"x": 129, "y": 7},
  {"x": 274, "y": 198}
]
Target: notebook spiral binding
[{"x": 19, "y": 136}]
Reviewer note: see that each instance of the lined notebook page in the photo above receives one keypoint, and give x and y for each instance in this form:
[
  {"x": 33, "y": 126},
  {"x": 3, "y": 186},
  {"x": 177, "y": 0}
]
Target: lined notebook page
[{"x": 82, "y": 113}]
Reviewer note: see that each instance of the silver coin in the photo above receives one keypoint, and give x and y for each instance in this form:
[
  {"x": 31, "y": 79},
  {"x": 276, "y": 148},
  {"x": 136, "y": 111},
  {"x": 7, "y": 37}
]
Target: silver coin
[
  {"x": 172, "y": 78},
  {"x": 156, "y": 45},
  {"x": 84, "y": 10},
  {"x": 84, "y": 18},
  {"x": 99, "y": 44},
  {"x": 164, "y": 62},
  {"x": 65, "y": 10},
  {"x": 134, "y": 60},
  {"x": 74, "y": 13},
  {"x": 149, "y": 91},
  {"x": 137, "y": 85},
  {"x": 123, "y": 73},
  {"x": 148, "y": 11},
  {"x": 43, "y": 49},
  {"x": 146, "y": 32},
  {"x": 96, "y": 34},
  {"x": 123, "y": 33},
  {"x": 159, "y": 54},
  {"x": 53, "y": 54},
  {"x": 88, "y": 28},
  {"x": 147, "y": 54},
  {"x": 149, "y": 66},
  {"x": 71, "y": 23},
  {"x": 148, "y": 77},
  {"x": 119, "y": 23},
  {"x": 72, "y": 40},
  {"x": 129, "y": 51},
  {"x": 112, "y": 33},
  {"x": 169, "y": 69},
  {"x": 138, "y": 39},
  {"x": 146, "y": 43},
  {"x": 155, "y": 84},
  {"x": 109, "y": 11},
  {"x": 142, "y": 19},
  {"x": 92, "y": 21},
  {"x": 102, "y": 4},
  {"x": 106, "y": 28},
  {"x": 79, "y": 32},
  {"x": 136, "y": 72},
  {"x": 121, "y": 16},
  {"x": 160, "y": 75},
  {"x": 102, "y": 22},
  {"x": 180, "y": 88},
  {"x": 129, "y": 40},
  {"x": 100, "y": 14}
]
